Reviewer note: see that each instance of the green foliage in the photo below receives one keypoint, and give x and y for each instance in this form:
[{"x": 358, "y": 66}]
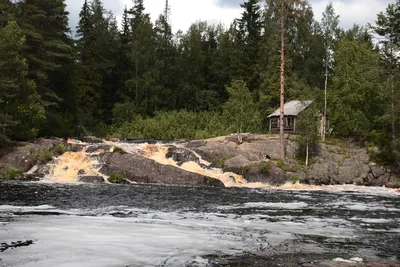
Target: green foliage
[
  {"x": 220, "y": 162},
  {"x": 239, "y": 111},
  {"x": 116, "y": 178},
  {"x": 21, "y": 110},
  {"x": 295, "y": 180},
  {"x": 118, "y": 149},
  {"x": 172, "y": 125},
  {"x": 10, "y": 174},
  {"x": 357, "y": 99},
  {"x": 244, "y": 170},
  {"x": 60, "y": 149},
  {"x": 280, "y": 164},
  {"x": 265, "y": 166},
  {"x": 44, "y": 156},
  {"x": 307, "y": 125}
]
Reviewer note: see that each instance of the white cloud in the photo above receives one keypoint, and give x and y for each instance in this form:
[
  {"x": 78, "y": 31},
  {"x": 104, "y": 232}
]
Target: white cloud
[
  {"x": 352, "y": 12},
  {"x": 186, "y": 12}
]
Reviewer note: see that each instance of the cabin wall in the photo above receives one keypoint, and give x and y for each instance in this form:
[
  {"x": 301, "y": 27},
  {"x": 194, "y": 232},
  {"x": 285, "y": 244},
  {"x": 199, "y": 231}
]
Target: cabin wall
[{"x": 289, "y": 126}]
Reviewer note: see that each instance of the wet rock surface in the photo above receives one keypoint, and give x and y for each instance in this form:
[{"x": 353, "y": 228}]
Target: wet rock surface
[
  {"x": 334, "y": 164},
  {"x": 181, "y": 155},
  {"x": 91, "y": 179},
  {"x": 136, "y": 168}
]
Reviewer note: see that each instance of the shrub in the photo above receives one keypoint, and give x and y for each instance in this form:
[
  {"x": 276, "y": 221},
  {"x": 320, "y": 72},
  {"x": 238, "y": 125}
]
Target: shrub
[
  {"x": 265, "y": 167},
  {"x": 280, "y": 164},
  {"x": 10, "y": 174},
  {"x": 45, "y": 156},
  {"x": 60, "y": 149},
  {"x": 295, "y": 179},
  {"x": 220, "y": 162},
  {"x": 118, "y": 149},
  {"x": 245, "y": 170},
  {"x": 116, "y": 178}
]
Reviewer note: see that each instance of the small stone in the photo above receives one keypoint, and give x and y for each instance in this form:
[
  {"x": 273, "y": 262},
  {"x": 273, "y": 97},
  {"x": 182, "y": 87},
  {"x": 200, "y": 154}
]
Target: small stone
[{"x": 357, "y": 259}]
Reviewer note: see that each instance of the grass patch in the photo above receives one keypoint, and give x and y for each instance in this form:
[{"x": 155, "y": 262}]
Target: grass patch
[
  {"x": 295, "y": 179},
  {"x": 265, "y": 167},
  {"x": 280, "y": 164},
  {"x": 334, "y": 142},
  {"x": 10, "y": 174},
  {"x": 116, "y": 178},
  {"x": 245, "y": 170},
  {"x": 60, "y": 149},
  {"x": 45, "y": 156},
  {"x": 118, "y": 149},
  {"x": 220, "y": 162}
]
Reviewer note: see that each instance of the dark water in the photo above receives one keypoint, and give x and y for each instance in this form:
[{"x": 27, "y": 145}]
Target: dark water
[{"x": 155, "y": 225}]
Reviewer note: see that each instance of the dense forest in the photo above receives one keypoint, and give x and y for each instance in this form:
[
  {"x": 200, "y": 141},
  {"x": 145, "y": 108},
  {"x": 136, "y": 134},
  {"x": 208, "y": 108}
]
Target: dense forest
[{"x": 141, "y": 80}]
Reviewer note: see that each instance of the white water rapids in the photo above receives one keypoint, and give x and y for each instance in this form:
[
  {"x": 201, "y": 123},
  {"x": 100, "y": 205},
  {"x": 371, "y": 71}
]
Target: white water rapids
[{"x": 65, "y": 169}]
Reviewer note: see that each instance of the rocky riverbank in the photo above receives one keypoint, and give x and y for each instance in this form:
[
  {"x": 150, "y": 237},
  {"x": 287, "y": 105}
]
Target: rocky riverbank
[{"x": 96, "y": 160}]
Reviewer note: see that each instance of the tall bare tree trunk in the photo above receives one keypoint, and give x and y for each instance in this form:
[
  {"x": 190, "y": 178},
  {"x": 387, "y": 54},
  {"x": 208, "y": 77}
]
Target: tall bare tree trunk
[
  {"x": 326, "y": 104},
  {"x": 282, "y": 115},
  {"x": 137, "y": 82},
  {"x": 393, "y": 109},
  {"x": 393, "y": 95}
]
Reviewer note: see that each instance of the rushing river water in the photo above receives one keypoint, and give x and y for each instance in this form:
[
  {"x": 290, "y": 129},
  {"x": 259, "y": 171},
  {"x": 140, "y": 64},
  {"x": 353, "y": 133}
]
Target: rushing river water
[{"x": 156, "y": 225}]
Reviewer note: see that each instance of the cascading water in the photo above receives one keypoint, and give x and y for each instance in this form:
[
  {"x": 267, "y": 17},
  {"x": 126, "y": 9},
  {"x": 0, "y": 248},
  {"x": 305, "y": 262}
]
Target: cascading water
[{"x": 68, "y": 167}]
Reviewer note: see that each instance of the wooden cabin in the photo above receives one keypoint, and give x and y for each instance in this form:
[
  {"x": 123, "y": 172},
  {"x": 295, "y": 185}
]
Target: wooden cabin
[{"x": 291, "y": 109}]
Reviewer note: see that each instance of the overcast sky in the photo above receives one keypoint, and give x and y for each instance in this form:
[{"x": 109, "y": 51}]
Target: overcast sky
[{"x": 185, "y": 12}]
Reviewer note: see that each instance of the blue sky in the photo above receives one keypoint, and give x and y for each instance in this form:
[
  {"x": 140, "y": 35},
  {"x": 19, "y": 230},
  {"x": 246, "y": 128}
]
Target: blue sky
[{"x": 185, "y": 12}]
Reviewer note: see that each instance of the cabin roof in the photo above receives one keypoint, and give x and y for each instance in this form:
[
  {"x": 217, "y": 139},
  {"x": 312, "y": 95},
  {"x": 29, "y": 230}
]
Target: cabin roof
[{"x": 292, "y": 108}]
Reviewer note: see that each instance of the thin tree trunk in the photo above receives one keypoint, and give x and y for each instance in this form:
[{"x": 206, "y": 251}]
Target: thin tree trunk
[
  {"x": 137, "y": 82},
  {"x": 326, "y": 104},
  {"x": 282, "y": 105},
  {"x": 393, "y": 109},
  {"x": 307, "y": 155}
]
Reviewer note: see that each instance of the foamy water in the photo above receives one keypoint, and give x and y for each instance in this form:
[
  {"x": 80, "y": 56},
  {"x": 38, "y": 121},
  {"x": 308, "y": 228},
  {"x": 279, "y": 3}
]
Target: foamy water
[{"x": 65, "y": 169}]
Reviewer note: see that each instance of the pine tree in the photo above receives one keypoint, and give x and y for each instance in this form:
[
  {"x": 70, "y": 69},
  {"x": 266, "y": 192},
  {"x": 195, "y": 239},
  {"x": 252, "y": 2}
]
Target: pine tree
[
  {"x": 387, "y": 27},
  {"x": 288, "y": 7},
  {"x": 250, "y": 28},
  {"x": 21, "y": 112},
  {"x": 7, "y": 12}
]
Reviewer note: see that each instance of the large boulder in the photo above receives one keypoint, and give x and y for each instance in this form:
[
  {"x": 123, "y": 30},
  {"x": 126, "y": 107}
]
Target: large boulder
[
  {"x": 136, "y": 168},
  {"x": 237, "y": 162},
  {"x": 377, "y": 171},
  {"x": 181, "y": 155},
  {"x": 24, "y": 156},
  {"x": 277, "y": 176},
  {"x": 252, "y": 148}
]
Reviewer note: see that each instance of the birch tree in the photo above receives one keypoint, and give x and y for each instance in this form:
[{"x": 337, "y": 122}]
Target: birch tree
[{"x": 329, "y": 24}]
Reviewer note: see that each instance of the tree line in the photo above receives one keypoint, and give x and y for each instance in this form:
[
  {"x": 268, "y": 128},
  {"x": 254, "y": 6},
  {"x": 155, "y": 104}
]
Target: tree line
[{"x": 141, "y": 80}]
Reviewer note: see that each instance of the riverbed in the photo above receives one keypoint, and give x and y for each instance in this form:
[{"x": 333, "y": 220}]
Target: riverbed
[{"x": 45, "y": 224}]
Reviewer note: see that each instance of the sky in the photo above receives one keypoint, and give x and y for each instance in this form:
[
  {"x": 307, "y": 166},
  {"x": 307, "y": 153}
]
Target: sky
[{"x": 186, "y": 12}]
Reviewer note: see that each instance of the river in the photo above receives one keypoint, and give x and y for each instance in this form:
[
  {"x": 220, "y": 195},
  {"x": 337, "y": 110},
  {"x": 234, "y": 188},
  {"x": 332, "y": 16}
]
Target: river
[{"x": 157, "y": 225}]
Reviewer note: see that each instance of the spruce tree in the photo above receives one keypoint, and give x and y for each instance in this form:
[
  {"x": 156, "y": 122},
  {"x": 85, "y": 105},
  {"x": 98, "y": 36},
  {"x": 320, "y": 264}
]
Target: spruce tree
[
  {"x": 21, "y": 111},
  {"x": 45, "y": 25},
  {"x": 387, "y": 27}
]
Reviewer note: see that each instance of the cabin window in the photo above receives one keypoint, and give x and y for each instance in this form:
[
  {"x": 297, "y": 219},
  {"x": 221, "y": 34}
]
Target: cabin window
[
  {"x": 275, "y": 123},
  {"x": 289, "y": 121}
]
